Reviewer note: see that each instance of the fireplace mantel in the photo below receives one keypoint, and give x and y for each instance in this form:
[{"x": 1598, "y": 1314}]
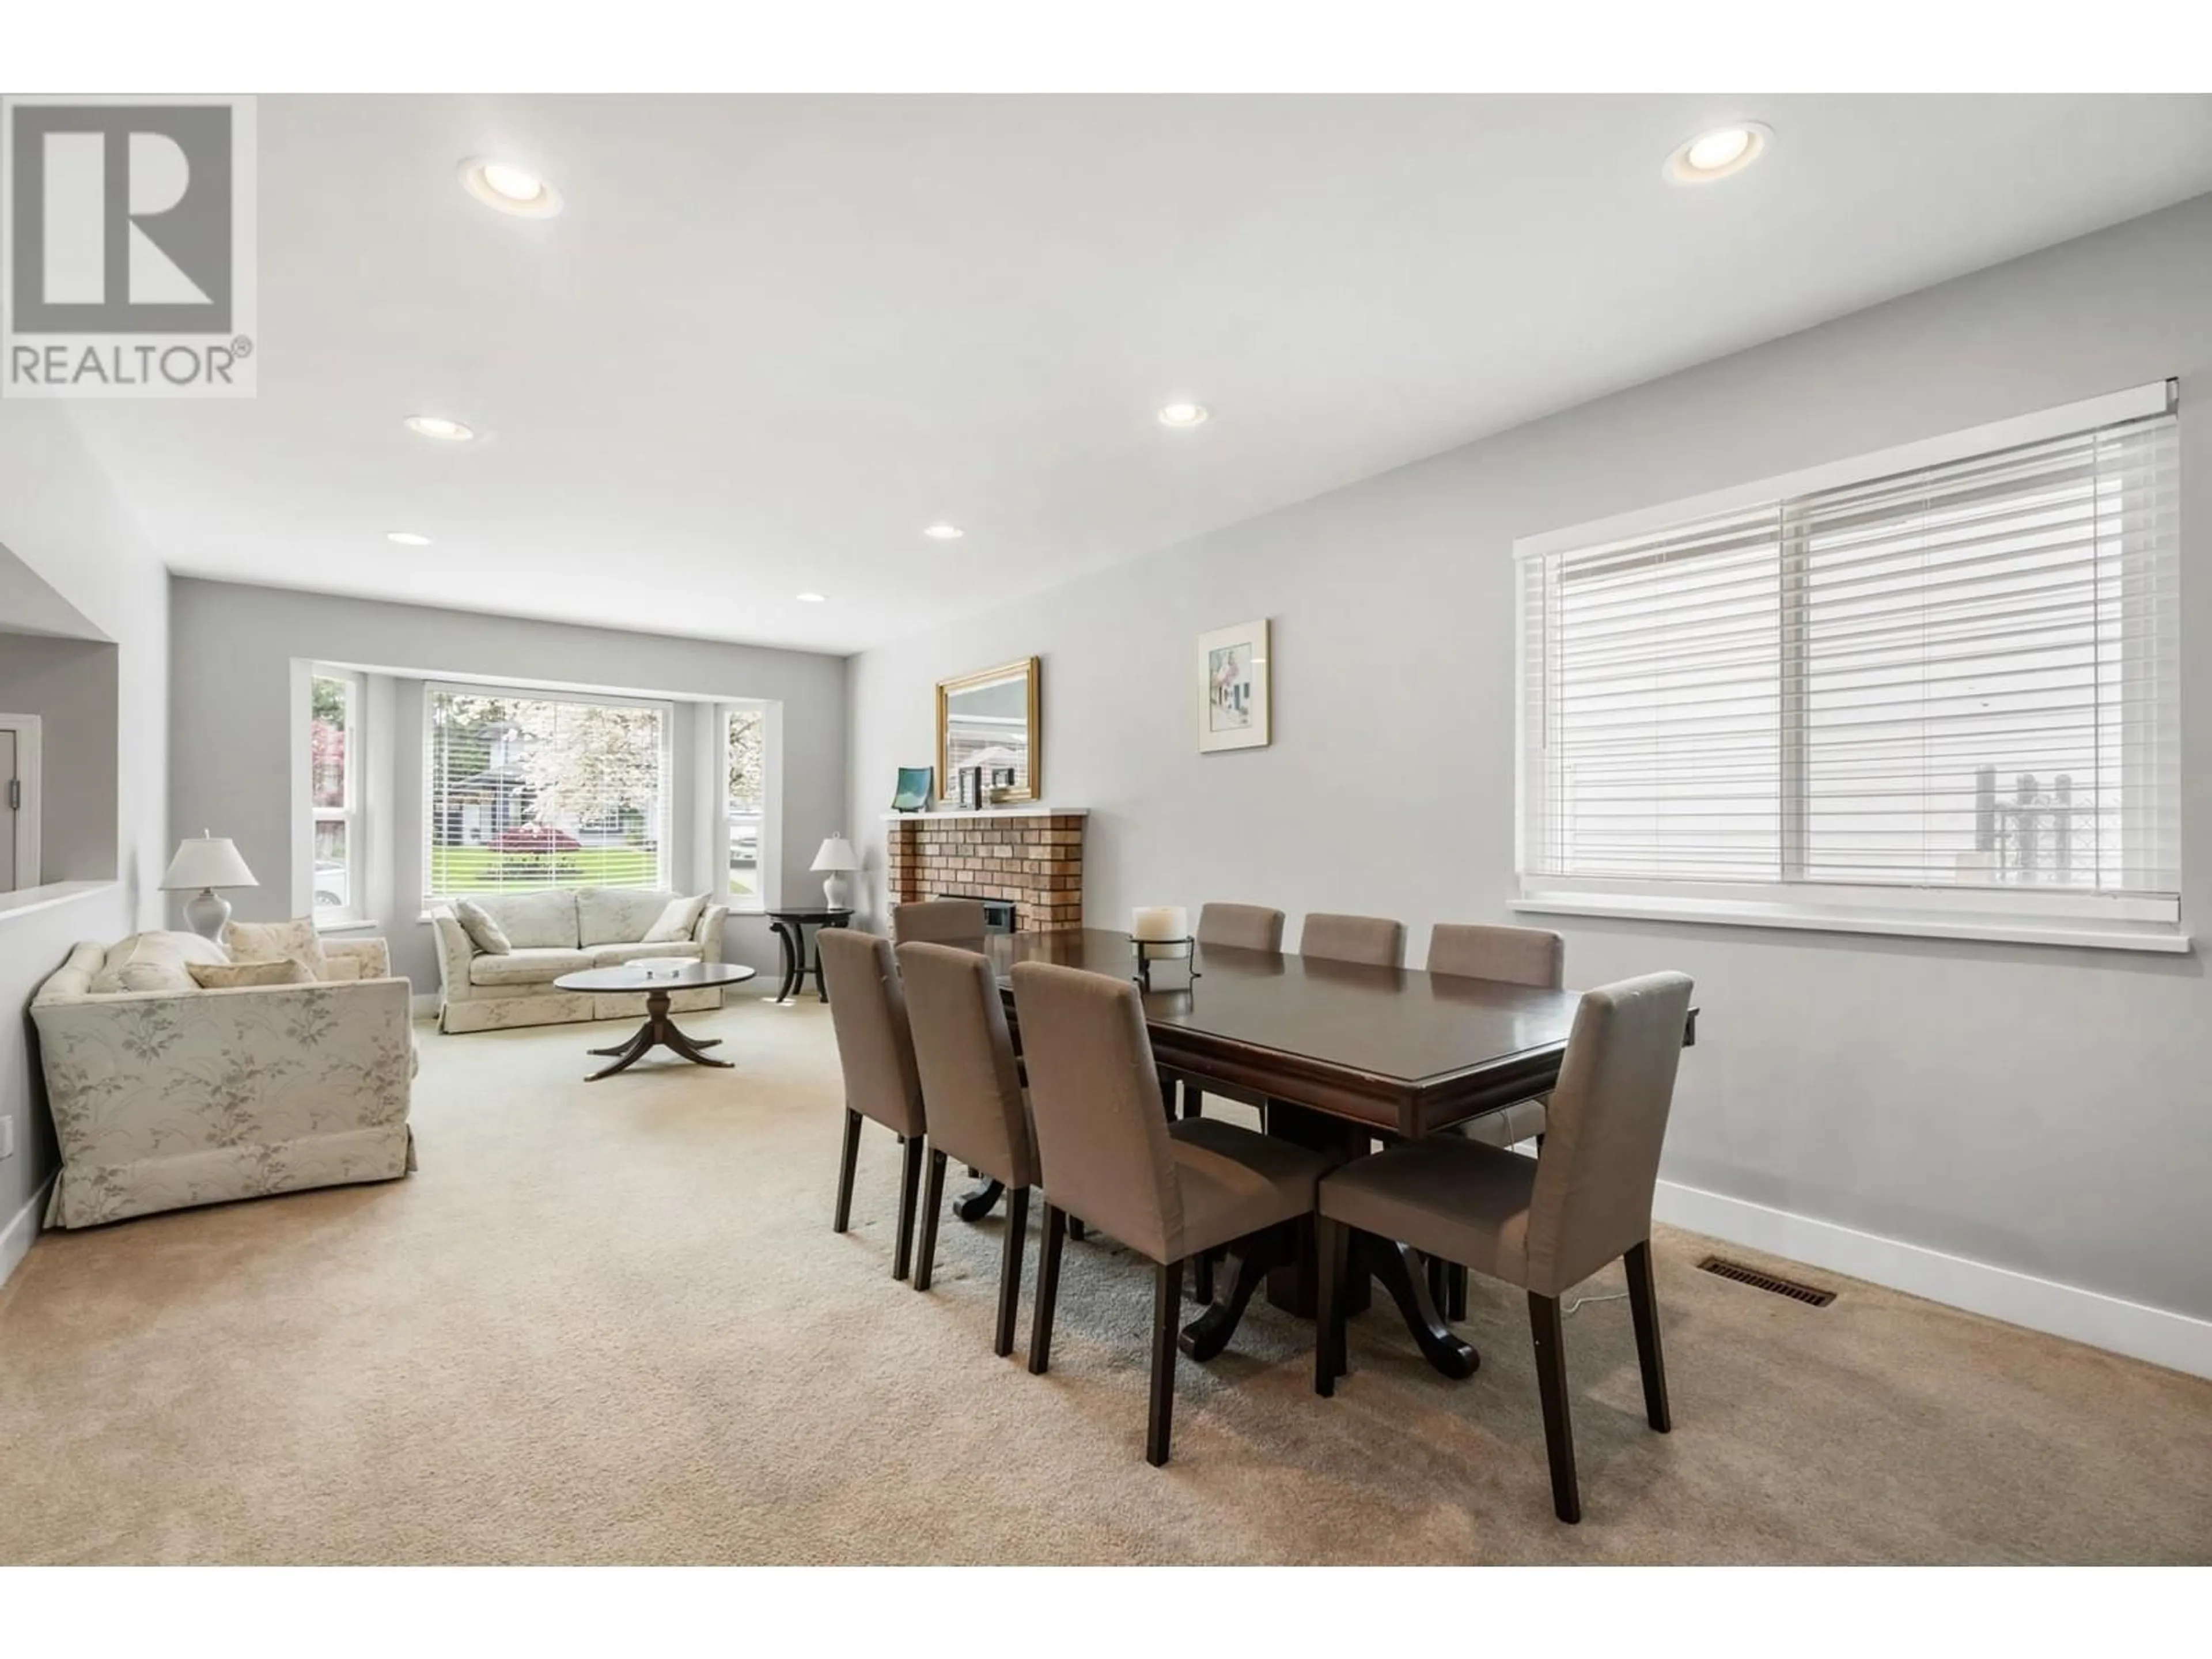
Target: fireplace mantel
[
  {"x": 988, "y": 812},
  {"x": 1031, "y": 856}
]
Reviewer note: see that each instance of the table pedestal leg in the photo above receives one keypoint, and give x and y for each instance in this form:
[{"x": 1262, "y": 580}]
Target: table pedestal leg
[
  {"x": 658, "y": 1032},
  {"x": 1293, "y": 1286},
  {"x": 1399, "y": 1271},
  {"x": 791, "y": 961},
  {"x": 976, "y": 1203}
]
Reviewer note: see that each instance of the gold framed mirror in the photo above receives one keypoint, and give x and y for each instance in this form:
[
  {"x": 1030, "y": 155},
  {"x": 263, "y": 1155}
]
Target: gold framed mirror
[{"x": 989, "y": 718}]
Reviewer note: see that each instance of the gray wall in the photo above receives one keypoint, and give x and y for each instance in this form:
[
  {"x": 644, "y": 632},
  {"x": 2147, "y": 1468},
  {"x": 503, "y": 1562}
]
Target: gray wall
[
  {"x": 231, "y": 729},
  {"x": 2043, "y": 1109},
  {"x": 65, "y": 528},
  {"x": 71, "y": 685}
]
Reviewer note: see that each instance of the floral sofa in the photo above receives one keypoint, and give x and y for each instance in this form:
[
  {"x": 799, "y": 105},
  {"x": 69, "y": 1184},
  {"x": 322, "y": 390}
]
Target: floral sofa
[
  {"x": 165, "y": 1098},
  {"x": 562, "y": 932}
]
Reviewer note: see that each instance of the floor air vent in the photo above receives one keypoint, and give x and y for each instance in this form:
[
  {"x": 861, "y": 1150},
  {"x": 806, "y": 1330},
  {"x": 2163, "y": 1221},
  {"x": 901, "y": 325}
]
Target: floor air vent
[{"x": 1724, "y": 1267}]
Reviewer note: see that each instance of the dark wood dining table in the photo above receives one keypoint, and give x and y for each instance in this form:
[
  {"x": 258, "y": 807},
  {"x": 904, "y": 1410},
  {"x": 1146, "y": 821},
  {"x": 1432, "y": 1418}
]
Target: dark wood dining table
[{"x": 1341, "y": 1055}]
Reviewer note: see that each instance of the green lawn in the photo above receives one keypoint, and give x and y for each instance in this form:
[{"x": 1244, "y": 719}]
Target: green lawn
[{"x": 478, "y": 869}]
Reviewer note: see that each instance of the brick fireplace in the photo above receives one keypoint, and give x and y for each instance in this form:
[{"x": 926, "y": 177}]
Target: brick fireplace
[{"x": 1032, "y": 858}]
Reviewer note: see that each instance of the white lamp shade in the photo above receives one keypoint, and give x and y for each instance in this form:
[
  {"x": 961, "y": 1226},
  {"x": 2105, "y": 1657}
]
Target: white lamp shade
[
  {"x": 837, "y": 857},
  {"x": 207, "y": 861}
]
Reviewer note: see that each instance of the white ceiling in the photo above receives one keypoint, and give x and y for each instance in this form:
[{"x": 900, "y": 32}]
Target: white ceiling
[{"x": 770, "y": 338}]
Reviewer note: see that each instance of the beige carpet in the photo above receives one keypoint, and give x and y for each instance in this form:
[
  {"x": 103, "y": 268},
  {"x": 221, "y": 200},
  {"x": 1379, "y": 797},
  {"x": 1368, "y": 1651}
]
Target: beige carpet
[{"x": 611, "y": 1323}]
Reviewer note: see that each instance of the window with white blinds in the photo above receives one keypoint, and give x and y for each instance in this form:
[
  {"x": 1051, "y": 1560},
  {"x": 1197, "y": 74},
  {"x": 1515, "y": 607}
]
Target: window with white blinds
[
  {"x": 1940, "y": 681},
  {"x": 528, "y": 789}
]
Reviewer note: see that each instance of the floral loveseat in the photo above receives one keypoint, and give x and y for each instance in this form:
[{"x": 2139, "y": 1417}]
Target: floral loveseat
[
  {"x": 165, "y": 1098},
  {"x": 562, "y": 932}
]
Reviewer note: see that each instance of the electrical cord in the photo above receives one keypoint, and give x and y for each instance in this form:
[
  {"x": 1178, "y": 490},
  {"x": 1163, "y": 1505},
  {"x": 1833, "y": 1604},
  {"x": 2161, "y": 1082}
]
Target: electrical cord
[{"x": 1610, "y": 1296}]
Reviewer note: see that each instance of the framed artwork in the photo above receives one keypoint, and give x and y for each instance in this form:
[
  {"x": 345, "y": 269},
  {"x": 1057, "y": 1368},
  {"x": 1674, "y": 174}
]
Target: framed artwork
[
  {"x": 1232, "y": 688},
  {"x": 912, "y": 794}
]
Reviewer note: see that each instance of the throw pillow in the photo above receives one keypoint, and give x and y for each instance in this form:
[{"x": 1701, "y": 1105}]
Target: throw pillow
[
  {"x": 153, "y": 961},
  {"x": 264, "y": 941},
  {"x": 677, "y": 922},
  {"x": 231, "y": 975},
  {"x": 483, "y": 932}
]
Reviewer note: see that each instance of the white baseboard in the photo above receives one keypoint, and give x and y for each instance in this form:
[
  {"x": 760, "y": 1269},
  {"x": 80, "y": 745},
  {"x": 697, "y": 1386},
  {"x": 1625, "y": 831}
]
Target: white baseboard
[
  {"x": 2041, "y": 1305},
  {"x": 22, "y": 1227}
]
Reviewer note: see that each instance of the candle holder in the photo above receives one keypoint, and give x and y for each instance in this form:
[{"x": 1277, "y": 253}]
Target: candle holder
[{"x": 1150, "y": 951}]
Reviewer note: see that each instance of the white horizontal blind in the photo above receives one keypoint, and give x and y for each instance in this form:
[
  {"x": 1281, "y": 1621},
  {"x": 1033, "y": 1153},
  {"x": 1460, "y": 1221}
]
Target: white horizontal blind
[
  {"x": 527, "y": 791},
  {"x": 1963, "y": 675}
]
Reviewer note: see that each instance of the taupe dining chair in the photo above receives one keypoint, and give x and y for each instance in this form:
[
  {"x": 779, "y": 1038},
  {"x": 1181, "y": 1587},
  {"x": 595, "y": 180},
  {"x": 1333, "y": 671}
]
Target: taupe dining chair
[
  {"x": 955, "y": 922},
  {"x": 1110, "y": 1156},
  {"x": 972, "y": 1091},
  {"x": 1375, "y": 941},
  {"x": 1517, "y": 956},
  {"x": 1243, "y": 927},
  {"x": 1545, "y": 1223},
  {"x": 868, "y": 1010}
]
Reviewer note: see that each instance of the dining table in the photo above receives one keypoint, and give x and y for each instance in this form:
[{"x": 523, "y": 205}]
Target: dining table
[{"x": 1338, "y": 1055}]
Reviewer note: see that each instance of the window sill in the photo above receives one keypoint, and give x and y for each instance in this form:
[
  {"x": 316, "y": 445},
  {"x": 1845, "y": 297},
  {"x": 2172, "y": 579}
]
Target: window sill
[{"x": 1739, "y": 914}]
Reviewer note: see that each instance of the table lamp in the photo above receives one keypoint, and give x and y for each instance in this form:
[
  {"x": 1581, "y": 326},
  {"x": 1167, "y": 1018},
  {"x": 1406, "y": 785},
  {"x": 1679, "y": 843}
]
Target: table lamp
[
  {"x": 838, "y": 859},
  {"x": 207, "y": 863}
]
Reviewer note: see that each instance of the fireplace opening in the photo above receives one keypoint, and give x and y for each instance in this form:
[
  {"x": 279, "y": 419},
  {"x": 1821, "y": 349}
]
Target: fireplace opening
[{"x": 999, "y": 914}]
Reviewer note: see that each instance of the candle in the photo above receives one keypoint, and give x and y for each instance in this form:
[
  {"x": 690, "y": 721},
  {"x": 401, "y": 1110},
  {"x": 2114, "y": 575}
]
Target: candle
[{"x": 1160, "y": 922}]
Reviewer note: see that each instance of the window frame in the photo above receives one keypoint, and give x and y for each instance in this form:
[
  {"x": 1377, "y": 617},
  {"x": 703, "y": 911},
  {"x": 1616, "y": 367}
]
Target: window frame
[
  {"x": 353, "y": 912},
  {"x": 722, "y": 713},
  {"x": 664, "y": 829},
  {"x": 2126, "y": 921}
]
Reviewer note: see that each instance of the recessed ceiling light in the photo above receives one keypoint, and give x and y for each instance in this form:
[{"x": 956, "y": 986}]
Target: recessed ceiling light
[
  {"x": 813, "y": 599},
  {"x": 406, "y": 538},
  {"x": 509, "y": 188},
  {"x": 944, "y": 532},
  {"x": 1185, "y": 415},
  {"x": 437, "y": 427},
  {"x": 1717, "y": 153}
]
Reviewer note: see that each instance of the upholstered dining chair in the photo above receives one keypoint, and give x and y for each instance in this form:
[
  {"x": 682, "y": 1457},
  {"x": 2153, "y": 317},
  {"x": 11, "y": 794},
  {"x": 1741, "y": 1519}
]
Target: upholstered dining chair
[
  {"x": 1243, "y": 927},
  {"x": 1109, "y": 1155},
  {"x": 1516, "y": 956},
  {"x": 972, "y": 1091},
  {"x": 875, "y": 1047},
  {"x": 1376, "y": 941},
  {"x": 955, "y": 922},
  {"x": 1240, "y": 927},
  {"x": 1545, "y": 1223}
]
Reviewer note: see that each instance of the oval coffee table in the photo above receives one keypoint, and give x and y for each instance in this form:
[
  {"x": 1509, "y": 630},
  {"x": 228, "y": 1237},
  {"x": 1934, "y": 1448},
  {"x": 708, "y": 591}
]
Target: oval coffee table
[{"x": 658, "y": 1030}]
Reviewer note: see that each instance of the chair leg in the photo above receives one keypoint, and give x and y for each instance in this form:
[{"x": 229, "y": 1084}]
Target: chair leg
[
  {"x": 1167, "y": 1308},
  {"x": 1552, "y": 1389},
  {"x": 1332, "y": 1248},
  {"x": 846, "y": 1165},
  {"x": 1055, "y": 1234},
  {"x": 1202, "y": 1276},
  {"x": 1076, "y": 1230},
  {"x": 909, "y": 1189},
  {"x": 1456, "y": 1290},
  {"x": 1438, "y": 1294},
  {"x": 1193, "y": 1100},
  {"x": 1010, "y": 1269},
  {"x": 1643, "y": 1310},
  {"x": 932, "y": 1200}
]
